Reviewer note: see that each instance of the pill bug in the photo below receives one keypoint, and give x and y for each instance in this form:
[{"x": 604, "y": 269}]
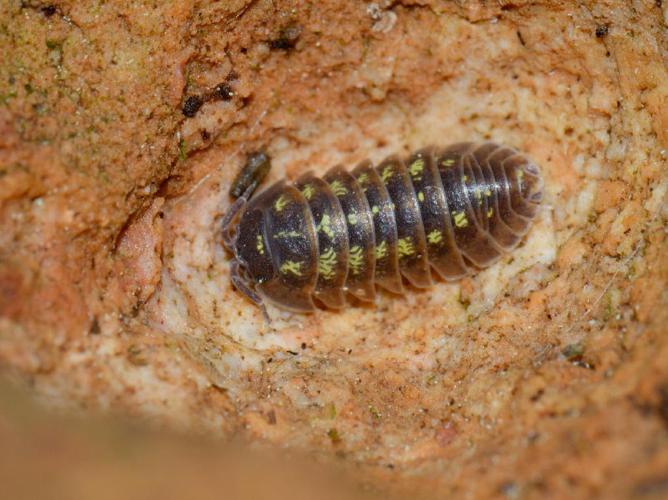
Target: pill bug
[{"x": 452, "y": 210}]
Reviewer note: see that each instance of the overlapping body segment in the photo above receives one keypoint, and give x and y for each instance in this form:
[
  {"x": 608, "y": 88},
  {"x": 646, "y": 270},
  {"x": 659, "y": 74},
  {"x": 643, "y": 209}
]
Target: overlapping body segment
[
  {"x": 412, "y": 243},
  {"x": 288, "y": 242},
  {"x": 387, "y": 272},
  {"x": 361, "y": 237},
  {"x": 332, "y": 240},
  {"x": 455, "y": 209}
]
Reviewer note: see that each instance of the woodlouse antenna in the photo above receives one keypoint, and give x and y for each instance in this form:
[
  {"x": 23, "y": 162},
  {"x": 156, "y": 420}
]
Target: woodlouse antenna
[{"x": 258, "y": 165}]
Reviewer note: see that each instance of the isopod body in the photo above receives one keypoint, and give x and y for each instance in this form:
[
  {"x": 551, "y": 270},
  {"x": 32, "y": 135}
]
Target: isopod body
[{"x": 450, "y": 210}]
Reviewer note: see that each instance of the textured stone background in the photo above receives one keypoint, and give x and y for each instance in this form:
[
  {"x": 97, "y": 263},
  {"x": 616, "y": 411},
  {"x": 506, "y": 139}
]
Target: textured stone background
[{"x": 545, "y": 375}]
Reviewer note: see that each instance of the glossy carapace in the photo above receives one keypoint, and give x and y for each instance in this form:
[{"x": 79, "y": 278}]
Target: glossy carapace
[{"x": 450, "y": 211}]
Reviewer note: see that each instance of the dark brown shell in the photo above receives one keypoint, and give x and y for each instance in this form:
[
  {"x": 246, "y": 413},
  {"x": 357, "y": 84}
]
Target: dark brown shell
[{"x": 453, "y": 210}]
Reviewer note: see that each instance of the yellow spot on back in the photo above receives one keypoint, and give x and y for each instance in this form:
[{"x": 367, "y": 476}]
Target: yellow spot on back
[
  {"x": 352, "y": 218},
  {"x": 381, "y": 250},
  {"x": 387, "y": 173},
  {"x": 449, "y": 162},
  {"x": 416, "y": 168},
  {"x": 326, "y": 263},
  {"x": 287, "y": 234},
  {"x": 291, "y": 267},
  {"x": 260, "y": 244},
  {"x": 520, "y": 179},
  {"x": 490, "y": 212},
  {"x": 308, "y": 191},
  {"x": 356, "y": 259},
  {"x": 375, "y": 210},
  {"x": 326, "y": 226},
  {"x": 281, "y": 203},
  {"x": 478, "y": 195},
  {"x": 363, "y": 179},
  {"x": 338, "y": 188},
  {"x": 405, "y": 247},
  {"x": 465, "y": 178},
  {"x": 435, "y": 237},
  {"x": 420, "y": 196},
  {"x": 488, "y": 193},
  {"x": 460, "y": 219}
]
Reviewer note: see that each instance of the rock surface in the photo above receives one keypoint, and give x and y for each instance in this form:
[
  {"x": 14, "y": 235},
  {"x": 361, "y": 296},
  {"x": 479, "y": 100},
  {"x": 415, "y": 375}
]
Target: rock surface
[{"x": 122, "y": 125}]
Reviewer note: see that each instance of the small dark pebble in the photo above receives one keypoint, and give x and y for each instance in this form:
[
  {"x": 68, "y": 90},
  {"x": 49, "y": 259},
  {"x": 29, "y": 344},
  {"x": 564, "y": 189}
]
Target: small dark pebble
[
  {"x": 205, "y": 135},
  {"x": 573, "y": 351},
  {"x": 601, "y": 30},
  {"x": 303, "y": 345},
  {"x": 575, "y": 354},
  {"x": 192, "y": 105},
  {"x": 49, "y": 10},
  {"x": 95, "y": 327},
  {"x": 223, "y": 91},
  {"x": 134, "y": 312},
  {"x": 521, "y": 38},
  {"x": 287, "y": 38},
  {"x": 281, "y": 43},
  {"x": 293, "y": 353},
  {"x": 535, "y": 397},
  {"x": 334, "y": 436}
]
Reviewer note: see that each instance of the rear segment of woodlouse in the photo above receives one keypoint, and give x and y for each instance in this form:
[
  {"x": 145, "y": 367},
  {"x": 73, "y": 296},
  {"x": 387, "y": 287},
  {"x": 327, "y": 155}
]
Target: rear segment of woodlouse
[{"x": 453, "y": 210}]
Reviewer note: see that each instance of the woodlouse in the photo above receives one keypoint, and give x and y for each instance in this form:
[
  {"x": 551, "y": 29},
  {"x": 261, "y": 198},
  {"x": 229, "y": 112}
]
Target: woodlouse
[{"x": 453, "y": 210}]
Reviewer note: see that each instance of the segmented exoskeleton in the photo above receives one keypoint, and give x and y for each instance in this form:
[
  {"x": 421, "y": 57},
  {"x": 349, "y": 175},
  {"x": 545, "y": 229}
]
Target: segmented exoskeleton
[{"x": 453, "y": 210}]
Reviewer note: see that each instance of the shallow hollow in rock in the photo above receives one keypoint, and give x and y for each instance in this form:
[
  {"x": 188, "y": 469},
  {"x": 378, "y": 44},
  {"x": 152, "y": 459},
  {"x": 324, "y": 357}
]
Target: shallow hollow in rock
[{"x": 480, "y": 385}]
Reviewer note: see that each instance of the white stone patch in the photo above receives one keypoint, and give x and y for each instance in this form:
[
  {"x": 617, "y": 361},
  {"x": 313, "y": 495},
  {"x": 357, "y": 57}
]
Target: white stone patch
[
  {"x": 658, "y": 198},
  {"x": 540, "y": 247}
]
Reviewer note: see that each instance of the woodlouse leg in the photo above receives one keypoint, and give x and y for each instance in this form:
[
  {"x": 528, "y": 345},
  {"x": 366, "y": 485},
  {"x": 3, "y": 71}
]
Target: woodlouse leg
[
  {"x": 227, "y": 226},
  {"x": 241, "y": 284},
  {"x": 237, "y": 207}
]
